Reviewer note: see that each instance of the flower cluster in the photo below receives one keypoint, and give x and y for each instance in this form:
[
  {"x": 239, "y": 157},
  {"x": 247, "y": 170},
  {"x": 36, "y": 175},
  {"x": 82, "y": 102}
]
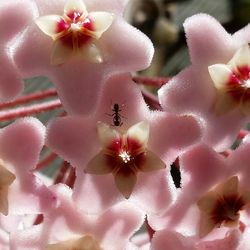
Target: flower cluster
[{"x": 118, "y": 153}]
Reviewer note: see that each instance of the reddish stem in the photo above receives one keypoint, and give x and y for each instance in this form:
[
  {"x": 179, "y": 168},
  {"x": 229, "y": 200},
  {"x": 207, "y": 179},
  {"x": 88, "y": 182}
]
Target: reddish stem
[
  {"x": 30, "y": 110},
  {"x": 70, "y": 181},
  {"x": 44, "y": 162},
  {"x": 30, "y": 97},
  {"x": 151, "y": 81},
  {"x": 62, "y": 173}
]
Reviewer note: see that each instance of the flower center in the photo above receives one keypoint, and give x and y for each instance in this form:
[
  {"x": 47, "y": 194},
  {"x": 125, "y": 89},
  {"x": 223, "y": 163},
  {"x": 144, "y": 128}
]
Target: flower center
[
  {"x": 125, "y": 156},
  {"x": 75, "y": 27}
]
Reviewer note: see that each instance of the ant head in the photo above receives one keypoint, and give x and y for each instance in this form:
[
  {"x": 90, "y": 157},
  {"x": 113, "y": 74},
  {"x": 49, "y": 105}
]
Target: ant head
[{"x": 116, "y": 106}]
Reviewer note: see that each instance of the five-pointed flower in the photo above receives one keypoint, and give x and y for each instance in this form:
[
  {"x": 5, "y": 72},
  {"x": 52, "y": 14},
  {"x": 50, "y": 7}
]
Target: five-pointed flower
[
  {"x": 221, "y": 206},
  {"x": 78, "y": 82},
  {"x": 123, "y": 155},
  {"x": 232, "y": 82},
  {"x": 208, "y": 96},
  {"x": 75, "y": 32}
]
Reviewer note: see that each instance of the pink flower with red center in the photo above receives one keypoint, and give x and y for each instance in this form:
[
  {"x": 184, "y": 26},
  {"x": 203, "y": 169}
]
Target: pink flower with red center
[
  {"x": 232, "y": 82},
  {"x": 116, "y": 162},
  {"x": 75, "y": 32},
  {"x": 89, "y": 34},
  {"x": 214, "y": 88},
  {"x": 214, "y": 199},
  {"x": 124, "y": 155}
]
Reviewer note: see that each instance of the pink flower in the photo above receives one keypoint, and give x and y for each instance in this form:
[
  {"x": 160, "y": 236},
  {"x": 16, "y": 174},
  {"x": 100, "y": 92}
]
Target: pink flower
[
  {"x": 119, "y": 159},
  {"x": 114, "y": 43},
  {"x": 20, "y": 146},
  {"x": 66, "y": 227},
  {"x": 11, "y": 25},
  {"x": 203, "y": 88},
  {"x": 214, "y": 199},
  {"x": 75, "y": 31}
]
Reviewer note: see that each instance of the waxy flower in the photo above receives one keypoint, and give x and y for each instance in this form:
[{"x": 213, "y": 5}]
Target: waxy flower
[
  {"x": 216, "y": 82},
  {"x": 214, "y": 199},
  {"x": 75, "y": 32},
  {"x": 123, "y": 155},
  {"x": 88, "y": 28},
  {"x": 65, "y": 226},
  {"x": 221, "y": 206},
  {"x": 232, "y": 82}
]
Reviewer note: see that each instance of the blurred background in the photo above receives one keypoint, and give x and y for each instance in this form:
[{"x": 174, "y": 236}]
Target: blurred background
[{"x": 162, "y": 21}]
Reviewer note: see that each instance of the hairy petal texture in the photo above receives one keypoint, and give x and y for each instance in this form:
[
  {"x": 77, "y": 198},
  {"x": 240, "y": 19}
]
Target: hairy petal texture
[
  {"x": 66, "y": 224},
  {"x": 11, "y": 25},
  {"x": 193, "y": 92},
  {"x": 76, "y": 140},
  {"x": 20, "y": 146},
  {"x": 78, "y": 81}
]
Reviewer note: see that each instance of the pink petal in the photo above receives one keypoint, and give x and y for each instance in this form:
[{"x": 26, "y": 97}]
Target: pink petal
[
  {"x": 121, "y": 90},
  {"x": 148, "y": 191},
  {"x": 73, "y": 138},
  {"x": 171, "y": 135},
  {"x": 208, "y": 42},
  {"x": 100, "y": 192},
  {"x": 122, "y": 220},
  {"x": 21, "y": 143},
  {"x": 172, "y": 240},
  {"x": 190, "y": 91}
]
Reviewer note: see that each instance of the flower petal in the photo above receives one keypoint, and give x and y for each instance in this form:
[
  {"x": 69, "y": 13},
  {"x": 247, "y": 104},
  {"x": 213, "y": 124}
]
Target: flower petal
[
  {"x": 91, "y": 53},
  {"x": 207, "y": 224},
  {"x": 107, "y": 135},
  {"x": 228, "y": 187},
  {"x": 101, "y": 21},
  {"x": 152, "y": 162},
  {"x": 139, "y": 132},
  {"x": 60, "y": 53},
  {"x": 99, "y": 164},
  {"x": 220, "y": 74},
  {"x": 224, "y": 103},
  {"x": 241, "y": 57},
  {"x": 208, "y": 202},
  {"x": 74, "y": 6},
  {"x": 49, "y": 24},
  {"x": 125, "y": 181},
  {"x": 4, "y": 207}
]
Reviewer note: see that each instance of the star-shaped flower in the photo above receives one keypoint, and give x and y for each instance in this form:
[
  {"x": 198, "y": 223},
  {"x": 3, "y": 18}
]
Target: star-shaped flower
[
  {"x": 121, "y": 47},
  {"x": 193, "y": 90},
  {"x": 214, "y": 199},
  {"x": 232, "y": 82},
  {"x": 75, "y": 32},
  {"x": 122, "y": 156}
]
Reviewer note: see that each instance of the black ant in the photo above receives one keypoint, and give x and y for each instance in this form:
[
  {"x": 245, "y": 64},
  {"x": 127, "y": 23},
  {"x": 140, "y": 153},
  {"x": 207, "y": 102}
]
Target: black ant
[{"x": 116, "y": 115}]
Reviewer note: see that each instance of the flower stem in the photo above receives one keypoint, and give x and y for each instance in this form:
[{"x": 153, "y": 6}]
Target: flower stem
[
  {"x": 29, "y": 98},
  {"x": 151, "y": 81},
  {"x": 29, "y": 110},
  {"x": 44, "y": 162}
]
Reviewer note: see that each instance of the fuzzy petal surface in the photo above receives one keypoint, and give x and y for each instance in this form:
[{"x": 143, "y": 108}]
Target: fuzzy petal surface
[
  {"x": 192, "y": 91},
  {"x": 78, "y": 81}
]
